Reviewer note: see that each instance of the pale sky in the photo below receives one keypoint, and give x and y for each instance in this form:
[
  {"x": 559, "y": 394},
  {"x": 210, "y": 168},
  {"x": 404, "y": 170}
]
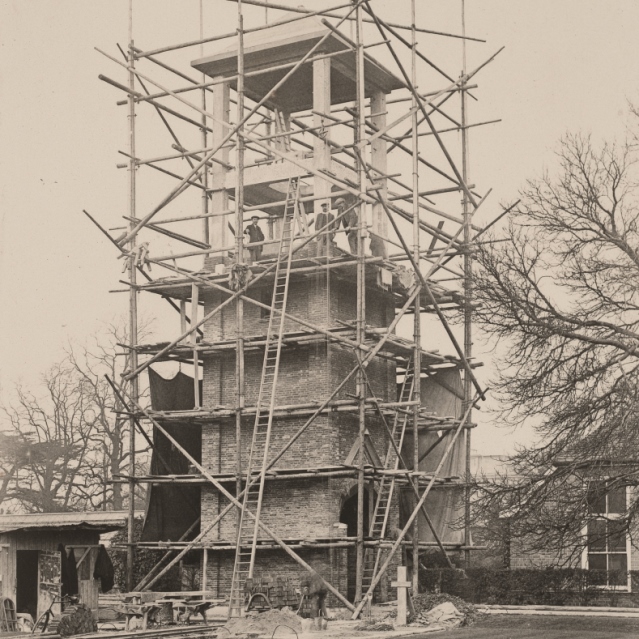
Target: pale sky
[{"x": 567, "y": 65}]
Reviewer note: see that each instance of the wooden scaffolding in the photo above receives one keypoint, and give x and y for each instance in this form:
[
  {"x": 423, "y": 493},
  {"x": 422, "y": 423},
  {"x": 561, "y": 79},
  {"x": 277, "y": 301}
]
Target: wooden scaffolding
[{"x": 343, "y": 135}]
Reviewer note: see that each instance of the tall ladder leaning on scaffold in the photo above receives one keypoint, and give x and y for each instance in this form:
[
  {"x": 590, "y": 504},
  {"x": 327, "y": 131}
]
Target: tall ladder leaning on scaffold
[
  {"x": 379, "y": 522},
  {"x": 258, "y": 458}
]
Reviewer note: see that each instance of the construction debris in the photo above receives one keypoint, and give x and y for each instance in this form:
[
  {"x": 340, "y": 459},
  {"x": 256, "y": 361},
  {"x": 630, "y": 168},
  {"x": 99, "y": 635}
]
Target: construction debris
[
  {"x": 443, "y": 610},
  {"x": 445, "y": 615},
  {"x": 264, "y": 623}
]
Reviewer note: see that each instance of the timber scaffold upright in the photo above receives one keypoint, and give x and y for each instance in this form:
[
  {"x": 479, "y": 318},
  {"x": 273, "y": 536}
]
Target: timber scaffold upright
[{"x": 325, "y": 430}]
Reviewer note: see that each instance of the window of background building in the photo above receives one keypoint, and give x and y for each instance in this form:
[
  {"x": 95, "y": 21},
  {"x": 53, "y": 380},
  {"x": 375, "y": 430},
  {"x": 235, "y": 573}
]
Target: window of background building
[{"x": 607, "y": 537}]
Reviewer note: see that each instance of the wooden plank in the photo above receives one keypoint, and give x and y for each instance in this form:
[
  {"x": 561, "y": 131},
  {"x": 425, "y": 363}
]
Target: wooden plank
[
  {"x": 79, "y": 561},
  {"x": 8, "y": 568},
  {"x": 195, "y": 303},
  {"x": 87, "y": 585}
]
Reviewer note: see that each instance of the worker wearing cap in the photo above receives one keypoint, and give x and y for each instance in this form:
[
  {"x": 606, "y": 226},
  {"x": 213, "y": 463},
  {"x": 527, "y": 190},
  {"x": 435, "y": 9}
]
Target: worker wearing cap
[
  {"x": 326, "y": 241},
  {"x": 255, "y": 234},
  {"x": 313, "y": 587},
  {"x": 350, "y": 222}
]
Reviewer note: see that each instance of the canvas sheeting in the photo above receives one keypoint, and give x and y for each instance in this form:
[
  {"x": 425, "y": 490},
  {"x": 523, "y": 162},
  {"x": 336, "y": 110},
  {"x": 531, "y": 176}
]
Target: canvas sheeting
[
  {"x": 172, "y": 509},
  {"x": 441, "y": 394}
]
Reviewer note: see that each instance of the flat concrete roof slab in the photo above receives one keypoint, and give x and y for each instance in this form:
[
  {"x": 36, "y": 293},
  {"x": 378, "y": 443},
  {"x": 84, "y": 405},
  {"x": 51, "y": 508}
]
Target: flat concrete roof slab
[{"x": 287, "y": 44}]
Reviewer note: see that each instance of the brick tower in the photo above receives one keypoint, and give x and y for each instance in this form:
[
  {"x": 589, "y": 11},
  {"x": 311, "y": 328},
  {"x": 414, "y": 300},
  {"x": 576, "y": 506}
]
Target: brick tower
[
  {"x": 309, "y": 496},
  {"x": 291, "y": 449}
]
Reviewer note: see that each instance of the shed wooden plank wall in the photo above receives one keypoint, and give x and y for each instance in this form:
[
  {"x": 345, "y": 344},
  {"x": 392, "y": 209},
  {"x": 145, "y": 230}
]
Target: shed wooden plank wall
[
  {"x": 11, "y": 542},
  {"x": 8, "y": 568},
  {"x": 87, "y": 585}
]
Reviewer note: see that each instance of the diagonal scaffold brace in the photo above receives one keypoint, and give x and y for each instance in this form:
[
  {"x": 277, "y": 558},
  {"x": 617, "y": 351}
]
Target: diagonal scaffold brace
[{"x": 231, "y": 498}]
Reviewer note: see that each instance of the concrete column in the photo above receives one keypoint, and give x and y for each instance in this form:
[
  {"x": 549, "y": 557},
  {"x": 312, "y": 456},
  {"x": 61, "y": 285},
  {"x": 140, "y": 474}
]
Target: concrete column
[
  {"x": 379, "y": 161},
  {"x": 322, "y": 104},
  {"x": 220, "y": 234}
]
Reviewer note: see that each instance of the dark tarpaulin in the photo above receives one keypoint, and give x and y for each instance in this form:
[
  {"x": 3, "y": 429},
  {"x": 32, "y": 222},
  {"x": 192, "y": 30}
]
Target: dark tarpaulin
[
  {"x": 172, "y": 394},
  {"x": 72, "y": 573},
  {"x": 68, "y": 571},
  {"x": 103, "y": 569},
  {"x": 172, "y": 509}
]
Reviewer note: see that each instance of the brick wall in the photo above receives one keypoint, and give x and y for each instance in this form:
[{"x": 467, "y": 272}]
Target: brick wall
[
  {"x": 302, "y": 377},
  {"x": 310, "y": 298},
  {"x": 300, "y": 508},
  {"x": 329, "y": 563},
  {"x": 522, "y": 557},
  {"x": 295, "y": 510}
]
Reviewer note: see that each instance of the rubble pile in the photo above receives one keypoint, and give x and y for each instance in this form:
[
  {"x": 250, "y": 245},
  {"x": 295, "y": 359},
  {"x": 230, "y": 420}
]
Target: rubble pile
[
  {"x": 263, "y": 623},
  {"x": 443, "y": 609}
]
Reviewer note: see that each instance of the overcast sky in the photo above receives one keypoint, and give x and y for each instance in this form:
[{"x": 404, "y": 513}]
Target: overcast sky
[{"x": 567, "y": 65}]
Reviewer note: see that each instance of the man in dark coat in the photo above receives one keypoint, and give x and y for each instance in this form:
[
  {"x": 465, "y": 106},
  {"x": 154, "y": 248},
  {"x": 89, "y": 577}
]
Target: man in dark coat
[
  {"x": 350, "y": 222},
  {"x": 325, "y": 241},
  {"x": 255, "y": 234},
  {"x": 313, "y": 586}
]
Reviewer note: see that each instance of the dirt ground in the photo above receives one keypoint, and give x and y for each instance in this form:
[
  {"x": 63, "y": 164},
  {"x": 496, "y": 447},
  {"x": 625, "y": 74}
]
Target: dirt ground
[{"x": 542, "y": 627}]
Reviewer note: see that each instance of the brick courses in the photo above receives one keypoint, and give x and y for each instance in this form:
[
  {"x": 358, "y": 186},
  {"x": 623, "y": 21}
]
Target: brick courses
[{"x": 299, "y": 508}]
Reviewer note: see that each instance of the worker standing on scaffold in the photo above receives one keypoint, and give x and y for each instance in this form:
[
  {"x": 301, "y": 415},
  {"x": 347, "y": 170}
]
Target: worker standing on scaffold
[
  {"x": 255, "y": 234},
  {"x": 326, "y": 240},
  {"x": 350, "y": 222}
]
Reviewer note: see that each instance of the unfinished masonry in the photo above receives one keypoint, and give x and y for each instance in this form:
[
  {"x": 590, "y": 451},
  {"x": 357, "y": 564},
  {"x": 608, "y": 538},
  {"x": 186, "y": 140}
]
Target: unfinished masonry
[{"x": 319, "y": 430}]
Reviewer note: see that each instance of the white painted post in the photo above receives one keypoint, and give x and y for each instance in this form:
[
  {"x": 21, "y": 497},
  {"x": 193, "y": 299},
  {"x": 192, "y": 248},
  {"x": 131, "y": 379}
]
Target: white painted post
[{"x": 402, "y": 584}]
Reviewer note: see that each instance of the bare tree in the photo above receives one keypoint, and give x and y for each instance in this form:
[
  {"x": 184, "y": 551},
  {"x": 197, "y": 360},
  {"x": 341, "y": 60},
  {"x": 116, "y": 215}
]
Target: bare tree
[
  {"x": 53, "y": 443},
  {"x": 559, "y": 292},
  {"x": 91, "y": 361},
  {"x": 64, "y": 448},
  {"x": 15, "y": 451}
]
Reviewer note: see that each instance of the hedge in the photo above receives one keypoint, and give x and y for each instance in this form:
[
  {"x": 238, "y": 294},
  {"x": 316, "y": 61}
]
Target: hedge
[
  {"x": 530, "y": 586},
  {"x": 144, "y": 560}
]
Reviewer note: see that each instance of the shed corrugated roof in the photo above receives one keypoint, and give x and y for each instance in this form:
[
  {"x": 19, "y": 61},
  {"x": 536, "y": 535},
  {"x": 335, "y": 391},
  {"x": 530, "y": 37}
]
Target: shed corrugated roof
[{"x": 99, "y": 521}]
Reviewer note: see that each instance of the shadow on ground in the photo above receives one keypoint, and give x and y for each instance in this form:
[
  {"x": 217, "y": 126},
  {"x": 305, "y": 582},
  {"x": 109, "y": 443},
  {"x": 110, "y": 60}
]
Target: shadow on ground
[{"x": 541, "y": 626}]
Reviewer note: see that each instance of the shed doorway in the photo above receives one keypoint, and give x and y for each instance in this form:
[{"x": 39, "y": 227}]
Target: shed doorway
[{"x": 27, "y": 582}]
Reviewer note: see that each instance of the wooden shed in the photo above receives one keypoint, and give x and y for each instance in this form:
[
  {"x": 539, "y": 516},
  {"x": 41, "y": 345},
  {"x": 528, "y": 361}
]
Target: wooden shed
[{"x": 35, "y": 547}]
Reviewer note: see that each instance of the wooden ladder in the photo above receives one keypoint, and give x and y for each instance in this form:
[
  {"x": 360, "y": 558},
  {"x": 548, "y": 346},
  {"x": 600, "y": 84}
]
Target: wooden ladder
[
  {"x": 379, "y": 522},
  {"x": 258, "y": 458},
  {"x": 9, "y": 620}
]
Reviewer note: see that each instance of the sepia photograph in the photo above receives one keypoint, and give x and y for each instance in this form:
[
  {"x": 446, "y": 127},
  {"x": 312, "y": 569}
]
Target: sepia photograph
[{"x": 320, "y": 318}]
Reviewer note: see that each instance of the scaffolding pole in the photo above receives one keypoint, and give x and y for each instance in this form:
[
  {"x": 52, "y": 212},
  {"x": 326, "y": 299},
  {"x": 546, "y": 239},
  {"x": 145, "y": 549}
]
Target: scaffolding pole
[
  {"x": 239, "y": 260},
  {"x": 361, "y": 303},
  {"x": 351, "y": 173},
  {"x": 468, "y": 293},
  {"x": 417, "y": 326},
  {"x": 133, "y": 309}
]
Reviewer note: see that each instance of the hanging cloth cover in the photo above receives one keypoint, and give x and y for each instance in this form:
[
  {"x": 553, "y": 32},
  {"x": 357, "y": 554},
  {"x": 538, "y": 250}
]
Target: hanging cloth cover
[
  {"x": 172, "y": 509},
  {"x": 172, "y": 394},
  {"x": 64, "y": 570},
  {"x": 72, "y": 587},
  {"x": 442, "y": 395},
  {"x": 103, "y": 570}
]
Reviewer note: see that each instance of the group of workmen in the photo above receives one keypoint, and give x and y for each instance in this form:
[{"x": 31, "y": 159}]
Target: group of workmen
[{"x": 327, "y": 225}]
